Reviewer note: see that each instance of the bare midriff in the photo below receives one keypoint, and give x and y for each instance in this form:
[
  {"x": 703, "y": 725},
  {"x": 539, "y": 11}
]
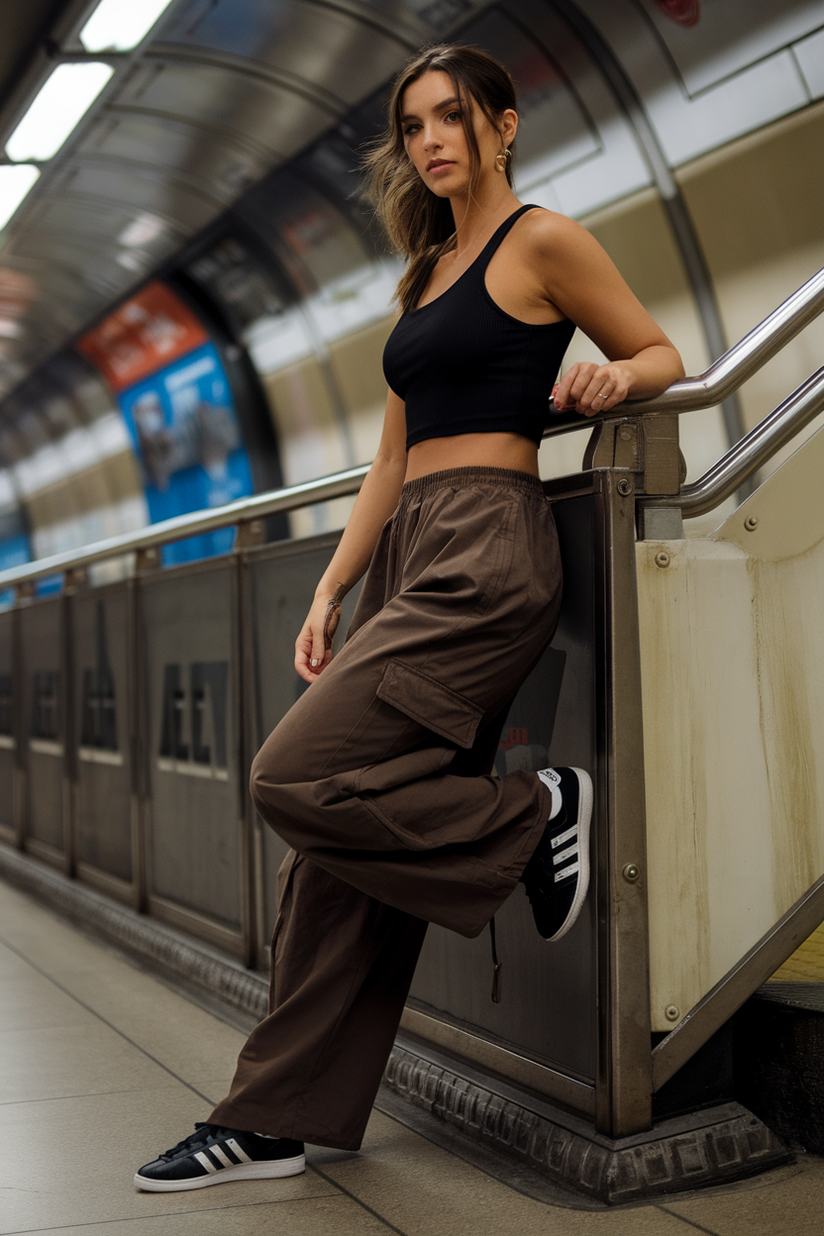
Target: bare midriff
[{"x": 472, "y": 450}]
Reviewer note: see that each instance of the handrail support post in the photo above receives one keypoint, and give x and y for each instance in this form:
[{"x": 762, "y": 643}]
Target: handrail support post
[{"x": 646, "y": 445}]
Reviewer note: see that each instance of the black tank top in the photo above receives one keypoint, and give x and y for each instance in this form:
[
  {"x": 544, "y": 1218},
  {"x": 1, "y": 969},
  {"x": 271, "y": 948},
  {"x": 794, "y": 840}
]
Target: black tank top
[{"x": 462, "y": 365}]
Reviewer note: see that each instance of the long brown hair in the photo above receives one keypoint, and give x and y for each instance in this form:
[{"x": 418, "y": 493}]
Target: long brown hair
[{"x": 419, "y": 224}]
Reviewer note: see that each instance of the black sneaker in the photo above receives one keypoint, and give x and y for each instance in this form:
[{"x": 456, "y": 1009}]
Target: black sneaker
[
  {"x": 212, "y": 1154},
  {"x": 557, "y": 874}
]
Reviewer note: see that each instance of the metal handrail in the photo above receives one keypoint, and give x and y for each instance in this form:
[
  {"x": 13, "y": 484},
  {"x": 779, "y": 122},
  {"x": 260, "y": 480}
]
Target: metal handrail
[
  {"x": 180, "y": 527},
  {"x": 747, "y": 456},
  {"x": 723, "y": 377},
  {"x": 729, "y": 372}
]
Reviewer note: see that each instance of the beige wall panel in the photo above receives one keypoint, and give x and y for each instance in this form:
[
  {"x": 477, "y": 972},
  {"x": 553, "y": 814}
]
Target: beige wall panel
[
  {"x": 356, "y": 364},
  {"x": 309, "y": 437},
  {"x": 122, "y": 476},
  {"x": 638, "y": 238},
  {"x": 322, "y": 517},
  {"x": 106, "y": 483},
  {"x": 757, "y": 206},
  {"x": 732, "y": 651},
  {"x": 51, "y": 505},
  {"x": 307, "y": 429}
]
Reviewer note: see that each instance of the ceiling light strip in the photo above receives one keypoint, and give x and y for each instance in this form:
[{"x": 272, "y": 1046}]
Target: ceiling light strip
[{"x": 119, "y": 25}]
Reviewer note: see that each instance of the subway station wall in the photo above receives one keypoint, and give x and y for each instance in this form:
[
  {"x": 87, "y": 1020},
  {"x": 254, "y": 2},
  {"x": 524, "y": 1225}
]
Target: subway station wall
[{"x": 294, "y": 277}]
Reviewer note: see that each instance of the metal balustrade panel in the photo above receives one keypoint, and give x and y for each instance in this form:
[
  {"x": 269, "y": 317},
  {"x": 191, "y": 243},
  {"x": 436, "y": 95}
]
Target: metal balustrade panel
[
  {"x": 192, "y": 757},
  {"x": 103, "y": 715},
  {"x": 8, "y": 725},
  {"x": 43, "y": 707},
  {"x": 281, "y": 585},
  {"x": 548, "y": 1008}
]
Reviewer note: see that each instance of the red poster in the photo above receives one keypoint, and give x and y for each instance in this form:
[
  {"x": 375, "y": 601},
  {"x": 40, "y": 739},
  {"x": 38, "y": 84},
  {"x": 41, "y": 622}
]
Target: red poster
[
  {"x": 685, "y": 12},
  {"x": 143, "y": 335}
]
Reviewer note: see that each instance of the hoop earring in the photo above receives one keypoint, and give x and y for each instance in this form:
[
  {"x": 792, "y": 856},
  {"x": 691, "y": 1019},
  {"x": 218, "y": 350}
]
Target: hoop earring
[{"x": 502, "y": 160}]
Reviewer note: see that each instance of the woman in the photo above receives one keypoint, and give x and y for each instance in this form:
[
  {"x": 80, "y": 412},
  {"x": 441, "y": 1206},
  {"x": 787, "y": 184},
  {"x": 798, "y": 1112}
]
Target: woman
[{"x": 379, "y": 776}]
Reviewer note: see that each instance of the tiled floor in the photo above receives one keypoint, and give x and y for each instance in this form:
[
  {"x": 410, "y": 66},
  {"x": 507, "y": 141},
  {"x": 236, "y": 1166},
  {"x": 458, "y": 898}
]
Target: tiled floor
[
  {"x": 807, "y": 962},
  {"x": 102, "y": 1066}
]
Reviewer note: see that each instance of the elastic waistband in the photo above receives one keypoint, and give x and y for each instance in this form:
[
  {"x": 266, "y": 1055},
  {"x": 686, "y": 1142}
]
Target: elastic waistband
[{"x": 462, "y": 478}]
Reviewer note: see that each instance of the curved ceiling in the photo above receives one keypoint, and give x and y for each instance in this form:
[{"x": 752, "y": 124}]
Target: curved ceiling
[{"x": 222, "y": 93}]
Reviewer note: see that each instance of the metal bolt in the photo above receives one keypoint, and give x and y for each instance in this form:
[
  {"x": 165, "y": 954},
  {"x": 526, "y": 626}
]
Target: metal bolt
[
  {"x": 751, "y": 523},
  {"x": 624, "y": 487},
  {"x": 662, "y": 558},
  {"x": 671, "y": 1013},
  {"x": 631, "y": 872}
]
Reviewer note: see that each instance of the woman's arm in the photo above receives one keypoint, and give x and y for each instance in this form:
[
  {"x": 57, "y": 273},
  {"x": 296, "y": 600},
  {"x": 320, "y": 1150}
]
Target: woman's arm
[
  {"x": 585, "y": 284},
  {"x": 375, "y": 503}
]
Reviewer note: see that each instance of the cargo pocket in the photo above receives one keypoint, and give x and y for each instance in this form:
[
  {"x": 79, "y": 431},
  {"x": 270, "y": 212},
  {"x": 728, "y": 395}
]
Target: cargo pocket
[{"x": 430, "y": 703}]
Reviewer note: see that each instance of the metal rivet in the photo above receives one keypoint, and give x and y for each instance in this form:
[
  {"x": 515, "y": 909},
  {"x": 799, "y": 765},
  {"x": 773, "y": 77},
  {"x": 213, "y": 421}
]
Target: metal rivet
[
  {"x": 624, "y": 487},
  {"x": 662, "y": 558},
  {"x": 631, "y": 872},
  {"x": 751, "y": 523},
  {"x": 671, "y": 1013}
]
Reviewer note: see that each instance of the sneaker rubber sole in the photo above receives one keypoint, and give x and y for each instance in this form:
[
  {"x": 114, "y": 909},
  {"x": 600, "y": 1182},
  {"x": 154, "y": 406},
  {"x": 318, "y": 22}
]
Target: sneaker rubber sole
[
  {"x": 270, "y": 1170},
  {"x": 583, "y": 822}
]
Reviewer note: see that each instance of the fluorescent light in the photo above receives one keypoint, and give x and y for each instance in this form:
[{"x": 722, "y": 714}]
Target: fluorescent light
[
  {"x": 142, "y": 230},
  {"x": 60, "y": 103},
  {"x": 129, "y": 260},
  {"x": 15, "y": 183},
  {"x": 119, "y": 25}
]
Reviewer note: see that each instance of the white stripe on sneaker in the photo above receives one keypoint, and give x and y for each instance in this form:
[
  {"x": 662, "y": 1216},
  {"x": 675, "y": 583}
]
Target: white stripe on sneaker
[
  {"x": 204, "y": 1161},
  {"x": 565, "y": 854},
  {"x": 562, "y": 837},
  {"x": 221, "y": 1154},
  {"x": 567, "y": 871},
  {"x": 235, "y": 1149}
]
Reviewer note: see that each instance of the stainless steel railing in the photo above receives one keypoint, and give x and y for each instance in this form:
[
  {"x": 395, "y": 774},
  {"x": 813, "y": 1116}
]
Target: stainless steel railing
[
  {"x": 731, "y": 370},
  {"x": 705, "y": 390},
  {"x": 243, "y": 511},
  {"x": 748, "y": 455}
]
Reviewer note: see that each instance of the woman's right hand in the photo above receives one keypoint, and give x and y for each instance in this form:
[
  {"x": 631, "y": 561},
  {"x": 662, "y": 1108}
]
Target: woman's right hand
[{"x": 313, "y": 647}]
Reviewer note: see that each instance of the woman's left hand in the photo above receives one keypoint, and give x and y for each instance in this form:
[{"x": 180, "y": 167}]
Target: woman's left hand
[{"x": 591, "y": 388}]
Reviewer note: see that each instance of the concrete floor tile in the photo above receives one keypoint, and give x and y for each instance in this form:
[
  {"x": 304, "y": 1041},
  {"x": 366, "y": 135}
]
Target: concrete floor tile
[
  {"x": 423, "y": 1190},
  {"x": 44, "y": 939},
  {"x": 77, "y": 1059},
  {"x": 191, "y": 1042},
  {"x": 32, "y": 1002},
  {"x": 786, "y": 1202},
  {"x": 333, "y": 1216},
  {"x": 72, "y": 1161},
  {"x": 12, "y": 966},
  {"x": 85, "y": 1107}
]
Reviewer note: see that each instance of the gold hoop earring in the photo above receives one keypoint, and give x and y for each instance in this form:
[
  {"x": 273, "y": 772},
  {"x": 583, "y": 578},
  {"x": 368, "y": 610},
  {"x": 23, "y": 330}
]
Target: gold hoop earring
[{"x": 502, "y": 160}]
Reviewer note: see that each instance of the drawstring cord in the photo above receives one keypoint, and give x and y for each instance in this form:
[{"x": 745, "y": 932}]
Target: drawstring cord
[{"x": 497, "y": 966}]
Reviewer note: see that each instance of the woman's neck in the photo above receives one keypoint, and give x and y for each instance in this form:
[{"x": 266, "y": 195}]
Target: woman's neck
[{"x": 477, "y": 217}]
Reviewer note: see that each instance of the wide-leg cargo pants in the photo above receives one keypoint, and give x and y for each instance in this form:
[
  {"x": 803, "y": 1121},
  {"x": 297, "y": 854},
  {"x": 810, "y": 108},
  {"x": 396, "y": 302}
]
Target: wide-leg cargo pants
[{"x": 379, "y": 779}]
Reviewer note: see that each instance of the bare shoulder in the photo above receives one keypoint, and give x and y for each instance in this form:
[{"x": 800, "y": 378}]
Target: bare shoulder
[{"x": 548, "y": 234}]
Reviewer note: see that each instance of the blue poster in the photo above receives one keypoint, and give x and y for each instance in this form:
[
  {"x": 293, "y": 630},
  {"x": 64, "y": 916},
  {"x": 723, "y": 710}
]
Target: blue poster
[
  {"x": 14, "y": 551},
  {"x": 186, "y": 436}
]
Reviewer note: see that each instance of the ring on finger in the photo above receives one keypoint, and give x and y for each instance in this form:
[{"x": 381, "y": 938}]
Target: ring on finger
[{"x": 601, "y": 395}]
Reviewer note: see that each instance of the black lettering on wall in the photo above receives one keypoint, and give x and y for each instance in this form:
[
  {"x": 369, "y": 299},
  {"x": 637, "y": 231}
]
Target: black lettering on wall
[
  {"x": 99, "y": 717},
  {"x": 45, "y": 685},
  {"x": 174, "y": 714},
  {"x": 209, "y": 684},
  {"x": 193, "y": 729}
]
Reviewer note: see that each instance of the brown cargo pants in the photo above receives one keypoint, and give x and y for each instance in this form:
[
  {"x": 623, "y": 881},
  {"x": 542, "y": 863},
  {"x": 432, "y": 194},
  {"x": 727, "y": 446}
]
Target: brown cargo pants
[{"x": 379, "y": 779}]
